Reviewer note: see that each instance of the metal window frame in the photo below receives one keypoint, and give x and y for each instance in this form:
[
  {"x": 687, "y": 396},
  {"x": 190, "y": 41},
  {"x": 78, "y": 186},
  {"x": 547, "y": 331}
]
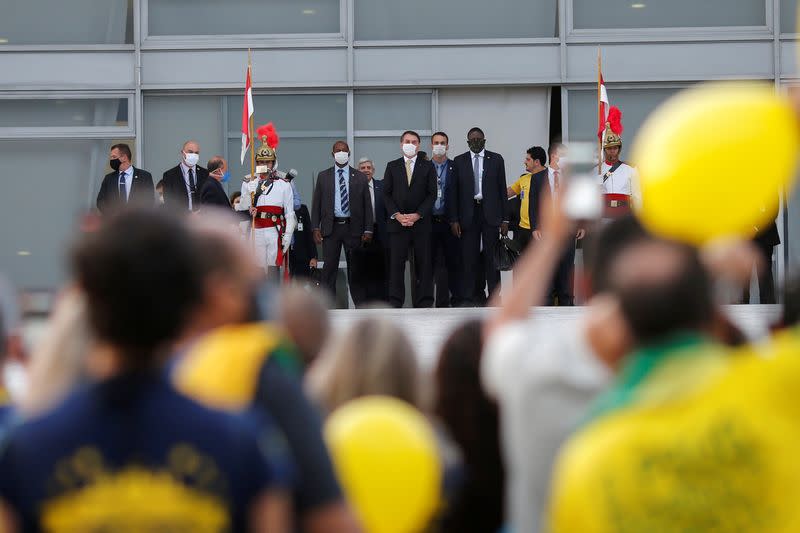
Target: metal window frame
[{"x": 71, "y": 132}]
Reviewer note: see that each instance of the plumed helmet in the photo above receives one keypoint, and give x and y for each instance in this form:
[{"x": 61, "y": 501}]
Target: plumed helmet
[
  {"x": 268, "y": 151},
  {"x": 611, "y": 135}
]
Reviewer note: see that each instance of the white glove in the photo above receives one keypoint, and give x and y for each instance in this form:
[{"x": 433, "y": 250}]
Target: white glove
[{"x": 287, "y": 242}]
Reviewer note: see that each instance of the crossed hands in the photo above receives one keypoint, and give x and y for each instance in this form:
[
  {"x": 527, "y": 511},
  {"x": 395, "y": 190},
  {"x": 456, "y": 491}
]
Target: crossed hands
[{"x": 407, "y": 220}]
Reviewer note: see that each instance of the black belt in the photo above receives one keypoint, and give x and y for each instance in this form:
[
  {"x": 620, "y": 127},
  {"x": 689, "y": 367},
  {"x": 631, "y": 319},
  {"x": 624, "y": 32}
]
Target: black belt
[
  {"x": 439, "y": 218},
  {"x": 341, "y": 220}
]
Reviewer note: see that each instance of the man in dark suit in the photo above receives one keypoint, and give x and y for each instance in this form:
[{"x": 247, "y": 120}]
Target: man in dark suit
[
  {"x": 126, "y": 184},
  {"x": 370, "y": 263},
  {"x": 213, "y": 193},
  {"x": 303, "y": 253},
  {"x": 477, "y": 209},
  {"x": 766, "y": 239},
  {"x": 183, "y": 183},
  {"x": 341, "y": 215},
  {"x": 409, "y": 191},
  {"x": 445, "y": 247}
]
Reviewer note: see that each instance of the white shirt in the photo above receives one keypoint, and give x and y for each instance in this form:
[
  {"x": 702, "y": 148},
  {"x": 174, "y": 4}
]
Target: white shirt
[
  {"x": 128, "y": 181},
  {"x": 479, "y": 156},
  {"x": 543, "y": 378},
  {"x": 185, "y": 171},
  {"x": 551, "y": 177},
  {"x": 372, "y": 196}
]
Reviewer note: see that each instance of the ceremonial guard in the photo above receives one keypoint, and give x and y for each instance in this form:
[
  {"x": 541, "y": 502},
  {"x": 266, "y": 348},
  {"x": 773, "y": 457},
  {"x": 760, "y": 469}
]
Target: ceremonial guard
[
  {"x": 617, "y": 178},
  {"x": 270, "y": 201}
]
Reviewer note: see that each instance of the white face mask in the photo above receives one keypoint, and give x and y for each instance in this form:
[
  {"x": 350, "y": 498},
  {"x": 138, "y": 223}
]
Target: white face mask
[
  {"x": 410, "y": 150},
  {"x": 191, "y": 159},
  {"x": 341, "y": 158},
  {"x": 262, "y": 169},
  {"x": 439, "y": 150}
]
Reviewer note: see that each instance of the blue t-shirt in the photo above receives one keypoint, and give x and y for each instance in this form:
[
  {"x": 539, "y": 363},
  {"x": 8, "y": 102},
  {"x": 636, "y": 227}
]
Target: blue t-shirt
[{"x": 131, "y": 453}]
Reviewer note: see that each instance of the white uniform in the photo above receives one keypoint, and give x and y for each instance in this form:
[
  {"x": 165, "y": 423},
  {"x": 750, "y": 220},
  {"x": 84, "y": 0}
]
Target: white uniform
[
  {"x": 276, "y": 193},
  {"x": 624, "y": 180}
]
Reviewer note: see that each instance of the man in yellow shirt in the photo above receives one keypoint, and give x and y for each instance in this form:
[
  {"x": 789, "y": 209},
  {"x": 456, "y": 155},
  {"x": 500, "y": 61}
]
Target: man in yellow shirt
[
  {"x": 529, "y": 188},
  {"x": 689, "y": 437}
]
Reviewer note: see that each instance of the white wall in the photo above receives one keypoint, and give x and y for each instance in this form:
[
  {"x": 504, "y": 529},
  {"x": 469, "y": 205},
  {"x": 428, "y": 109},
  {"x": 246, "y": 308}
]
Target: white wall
[{"x": 513, "y": 119}]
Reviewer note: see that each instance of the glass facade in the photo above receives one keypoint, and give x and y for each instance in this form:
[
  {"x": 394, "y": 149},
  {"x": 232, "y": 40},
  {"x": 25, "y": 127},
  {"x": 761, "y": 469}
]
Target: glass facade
[{"x": 80, "y": 75}]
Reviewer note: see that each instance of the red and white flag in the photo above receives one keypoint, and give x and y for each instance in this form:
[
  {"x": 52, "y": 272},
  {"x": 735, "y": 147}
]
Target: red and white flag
[
  {"x": 247, "y": 112},
  {"x": 603, "y": 104}
]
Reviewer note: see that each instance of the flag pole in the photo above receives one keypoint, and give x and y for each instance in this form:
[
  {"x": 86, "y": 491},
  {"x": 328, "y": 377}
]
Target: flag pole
[
  {"x": 252, "y": 147},
  {"x": 599, "y": 118}
]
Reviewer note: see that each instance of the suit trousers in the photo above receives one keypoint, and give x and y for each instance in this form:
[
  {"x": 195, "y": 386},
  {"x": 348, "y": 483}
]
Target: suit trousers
[
  {"x": 563, "y": 282},
  {"x": 331, "y": 251},
  {"x": 368, "y": 273},
  {"x": 445, "y": 254},
  {"x": 766, "y": 281},
  {"x": 471, "y": 254},
  {"x": 419, "y": 240}
]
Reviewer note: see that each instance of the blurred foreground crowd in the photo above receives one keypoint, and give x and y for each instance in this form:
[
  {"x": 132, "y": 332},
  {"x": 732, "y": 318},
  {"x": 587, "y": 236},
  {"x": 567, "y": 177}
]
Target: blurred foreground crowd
[{"x": 174, "y": 391}]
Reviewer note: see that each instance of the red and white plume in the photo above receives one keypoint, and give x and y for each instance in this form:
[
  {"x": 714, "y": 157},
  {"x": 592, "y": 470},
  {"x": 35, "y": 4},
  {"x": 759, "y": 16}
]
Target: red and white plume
[
  {"x": 247, "y": 112},
  {"x": 614, "y": 119},
  {"x": 267, "y": 132}
]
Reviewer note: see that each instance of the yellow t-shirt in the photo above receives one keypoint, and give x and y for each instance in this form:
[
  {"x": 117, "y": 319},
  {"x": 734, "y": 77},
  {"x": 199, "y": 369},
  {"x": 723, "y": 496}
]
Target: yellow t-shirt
[
  {"x": 523, "y": 188},
  {"x": 720, "y": 457}
]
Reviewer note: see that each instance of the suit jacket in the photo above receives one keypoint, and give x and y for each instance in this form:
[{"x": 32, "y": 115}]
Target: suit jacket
[
  {"x": 303, "y": 248},
  {"x": 175, "y": 196},
  {"x": 322, "y": 204},
  {"x": 381, "y": 217},
  {"x": 768, "y": 235},
  {"x": 401, "y": 197},
  {"x": 213, "y": 193},
  {"x": 540, "y": 184},
  {"x": 461, "y": 203},
  {"x": 142, "y": 191}
]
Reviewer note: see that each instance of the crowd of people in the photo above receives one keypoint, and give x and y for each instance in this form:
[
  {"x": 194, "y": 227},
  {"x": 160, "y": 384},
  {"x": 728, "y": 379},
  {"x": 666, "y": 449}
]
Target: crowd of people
[
  {"x": 443, "y": 216},
  {"x": 194, "y": 395}
]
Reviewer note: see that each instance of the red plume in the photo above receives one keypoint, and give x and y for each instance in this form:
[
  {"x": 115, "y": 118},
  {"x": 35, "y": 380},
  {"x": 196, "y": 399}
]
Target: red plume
[
  {"x": 615, "y": 121},
  {"x": 268, "y": 131}
]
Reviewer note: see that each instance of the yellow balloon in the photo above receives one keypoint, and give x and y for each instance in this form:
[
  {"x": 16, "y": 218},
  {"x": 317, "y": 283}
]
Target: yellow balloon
[
  {"x": 386, "y": 457},
  {"x": 712, "y": 160}
]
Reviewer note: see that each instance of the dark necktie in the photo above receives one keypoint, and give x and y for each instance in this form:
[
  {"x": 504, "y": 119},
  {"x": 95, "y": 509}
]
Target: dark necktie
[
  {"x": 343, "y": 193},
  {"x": 192, "y": 189},
  {"x": 123, "y": 193}
]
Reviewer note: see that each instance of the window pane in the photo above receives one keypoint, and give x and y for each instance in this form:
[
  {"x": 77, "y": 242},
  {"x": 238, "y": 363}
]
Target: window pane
[
  {"x": 635, "y": 104},
  {"x": 169, "y": 121},
  {"x": 241, "y": 17},
  {"x": 789, "y": 16},
  {"x": 64, "y": 112},
  {"x": 380, "y": 150},
  {"x": 294, "y": 112},
  {"x": 454, "y": 19},
  {"x": 793, "y": 230},
  {"x": 392, "y": 111},
  {"x": 71, "y": 22},
  {"x": 32, "y": 254},
  {"x": 591, "y": 14}
]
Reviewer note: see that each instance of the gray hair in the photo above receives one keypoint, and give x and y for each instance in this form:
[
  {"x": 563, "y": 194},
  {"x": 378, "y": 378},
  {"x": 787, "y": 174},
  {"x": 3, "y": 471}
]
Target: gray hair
[{"x": 365, "y": 160}]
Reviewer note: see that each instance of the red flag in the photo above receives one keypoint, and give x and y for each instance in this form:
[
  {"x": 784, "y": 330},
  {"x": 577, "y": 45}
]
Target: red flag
[{"x": 247, "y": 112}]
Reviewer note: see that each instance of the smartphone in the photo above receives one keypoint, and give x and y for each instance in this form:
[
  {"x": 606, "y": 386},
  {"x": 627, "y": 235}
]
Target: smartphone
[{"x": 579, "y": 168}]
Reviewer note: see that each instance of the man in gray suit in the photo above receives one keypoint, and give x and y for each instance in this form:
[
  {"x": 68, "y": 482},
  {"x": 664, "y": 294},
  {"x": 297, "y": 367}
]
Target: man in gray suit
[{"x": 341, "y": 216}]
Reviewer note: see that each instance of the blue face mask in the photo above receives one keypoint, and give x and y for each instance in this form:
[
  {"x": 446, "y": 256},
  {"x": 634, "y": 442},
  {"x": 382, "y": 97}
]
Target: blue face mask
[{"x": 225, "y": 177}]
